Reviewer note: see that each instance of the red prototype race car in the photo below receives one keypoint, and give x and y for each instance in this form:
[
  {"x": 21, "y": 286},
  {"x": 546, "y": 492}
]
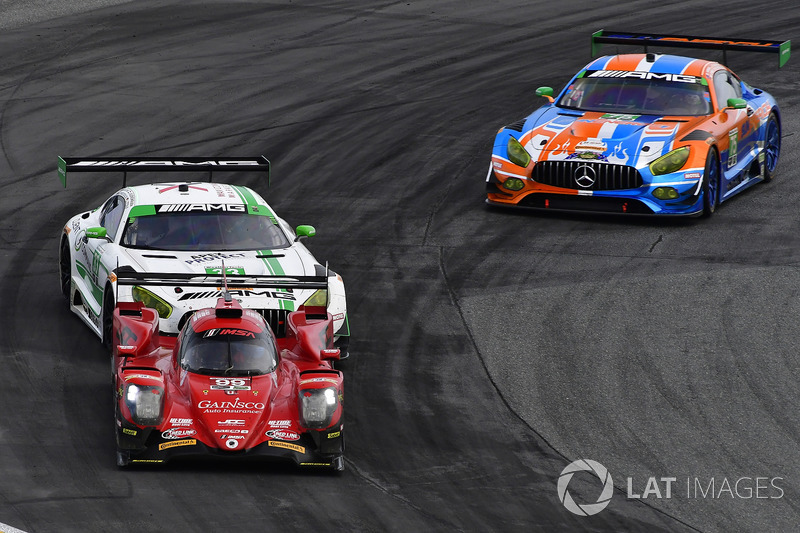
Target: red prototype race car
[{"x": 225, "y": 385}]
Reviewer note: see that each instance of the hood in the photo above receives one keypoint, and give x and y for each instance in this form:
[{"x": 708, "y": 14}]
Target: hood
[
  {"x": 634, "y": 140},
  {"x": 233, "y": 411},
  {"x": 268, "y": 262}
]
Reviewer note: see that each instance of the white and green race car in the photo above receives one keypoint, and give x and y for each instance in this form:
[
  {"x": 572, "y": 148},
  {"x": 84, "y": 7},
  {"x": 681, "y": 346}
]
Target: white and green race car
[{"x": 187, "y": 228}]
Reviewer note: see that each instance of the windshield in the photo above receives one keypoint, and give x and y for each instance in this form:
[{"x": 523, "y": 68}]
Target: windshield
[
  {"x": 207, "y": 231},
  {"x": 228, "y": 352},
  {"x": 635, "y": 96}
]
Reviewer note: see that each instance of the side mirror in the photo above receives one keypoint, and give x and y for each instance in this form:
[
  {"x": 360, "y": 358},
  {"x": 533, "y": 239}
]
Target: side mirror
[
  {"x": 545, "y": 92},
  {"x": 304, "y": 231},
  {"x": 330, "y": 354},
  {"x": 126, "y": 351},
  {"x": 736, "y": 103},
  {"x": 97, "y": 233}
]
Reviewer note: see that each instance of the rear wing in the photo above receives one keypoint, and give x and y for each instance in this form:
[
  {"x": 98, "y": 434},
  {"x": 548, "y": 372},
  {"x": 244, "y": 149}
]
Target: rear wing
[
  {"x": 231, "y": 280},
  {"x": 161, "y": 164},
  {"x": 782, "y": 48}
]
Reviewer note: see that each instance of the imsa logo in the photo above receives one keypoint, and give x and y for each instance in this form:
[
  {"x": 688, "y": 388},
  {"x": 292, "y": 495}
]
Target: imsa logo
[{"x": 176, "y": 208}]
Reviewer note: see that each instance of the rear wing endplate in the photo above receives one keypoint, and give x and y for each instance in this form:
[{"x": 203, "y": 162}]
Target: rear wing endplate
[
  {"x": 782, "y": 48},
  {"x": 161, "y": 164}
]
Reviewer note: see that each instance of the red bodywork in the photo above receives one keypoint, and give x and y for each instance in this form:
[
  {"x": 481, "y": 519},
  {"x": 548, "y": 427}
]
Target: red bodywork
[{"x": 165, "y": 409}]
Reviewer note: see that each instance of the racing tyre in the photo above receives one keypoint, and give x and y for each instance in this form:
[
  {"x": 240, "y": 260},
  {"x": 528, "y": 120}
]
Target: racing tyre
[
  {"x": 123, "y": 458},
  {"x": 65, "y": 269},
  {"x": 711, "y": 179},
  {"x": 772, "y": 147},
  {"x": 108, "y": 318}
]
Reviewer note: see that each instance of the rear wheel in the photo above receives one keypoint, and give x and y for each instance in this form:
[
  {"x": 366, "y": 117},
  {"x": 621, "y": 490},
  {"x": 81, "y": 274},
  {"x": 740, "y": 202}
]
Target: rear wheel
[
  {"x": 65, "y": 269},
  {"x": 772, "y": 147},
  {"x": 711, "y": 180}
]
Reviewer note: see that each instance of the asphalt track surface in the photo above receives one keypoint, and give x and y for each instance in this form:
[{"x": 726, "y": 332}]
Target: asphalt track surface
[{"x": 490, "y": 348}]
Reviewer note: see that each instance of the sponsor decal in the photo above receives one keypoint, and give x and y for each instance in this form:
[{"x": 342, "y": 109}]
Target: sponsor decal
[
  {"x": 181, "y": 421},
  {"x": 173, "y": 444},
  {"x": 733, "y": 147},
  {"x": 168, "y": 163},
  {"x": 588, "y": 156},
  {"x": 213, "y": 256},
  {"x": 279, "y": 423},
  {"x": 183, "y": 208},
  {"x": 621, "y": 117},
  {"x": 233, "y": 431},
  {"x": 147, "y": 460},
  {"x": 315, "y": 464},
  {"x": 200, "y": 314},
  {"x": 234, "y": 437},
  {"x": 230, "y": 422},
  {"x": 178, "y": 433},
  {"x": 141, "y": 376},
  {"x": 681, "y": 78},
  {"x": 287, "y": 445},
  {"x": 282, "y": 434},
  {"x": 691, "y": 175},
  {"x": 593, "y": 146},
  {"x": 235, "y": 405},
  {"x": 228, "y": 331},
  {"x": 318, "y": 380},
  {"x": 334, "y": 435},
  {"x": 199, "y": 295},
  {"x": 128, "y": 431}
]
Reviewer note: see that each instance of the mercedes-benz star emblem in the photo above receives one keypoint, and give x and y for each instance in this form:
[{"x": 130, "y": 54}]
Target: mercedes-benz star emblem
[{"x": 585, "y": 176}]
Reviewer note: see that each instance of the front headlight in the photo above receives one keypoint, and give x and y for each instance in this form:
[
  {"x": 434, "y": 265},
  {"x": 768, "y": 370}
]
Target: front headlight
[
  {"x": 670, "y": 162},
  {"x": 317, "y": 407},
  {"x": 151, "y": 300},
  {"x": 144, "y": 403},
  {"x": 517, "y": 154}
]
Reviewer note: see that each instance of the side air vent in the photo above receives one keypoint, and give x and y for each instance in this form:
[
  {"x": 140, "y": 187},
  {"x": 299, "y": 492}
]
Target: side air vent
[{"x": 516, "y": 126}]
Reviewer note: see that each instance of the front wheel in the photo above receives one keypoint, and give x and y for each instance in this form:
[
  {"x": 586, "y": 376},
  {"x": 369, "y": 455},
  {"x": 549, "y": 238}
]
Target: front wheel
[
  {"x": 108, "y": 316},
  {"x": 772, "y": 147},
  {"x": 65, "y": 269},
  {"x": 711, "y": 182}
]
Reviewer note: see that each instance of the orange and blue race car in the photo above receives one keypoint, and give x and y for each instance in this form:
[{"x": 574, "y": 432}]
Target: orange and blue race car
[{"x": 642, "y": 133}]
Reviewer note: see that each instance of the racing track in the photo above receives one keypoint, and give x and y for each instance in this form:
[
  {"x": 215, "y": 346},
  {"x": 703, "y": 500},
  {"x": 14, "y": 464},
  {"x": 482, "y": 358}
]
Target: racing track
[{"x": 490, "y": 348}]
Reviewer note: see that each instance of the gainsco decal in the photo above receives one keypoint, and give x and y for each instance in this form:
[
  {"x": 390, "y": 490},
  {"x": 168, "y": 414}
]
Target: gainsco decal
[
  {"x": 234, "y": 405},
  {"x": 180, "y": 208},
  {"x": 682, "y": 78},
  {"x": 282, "y": 434}
]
